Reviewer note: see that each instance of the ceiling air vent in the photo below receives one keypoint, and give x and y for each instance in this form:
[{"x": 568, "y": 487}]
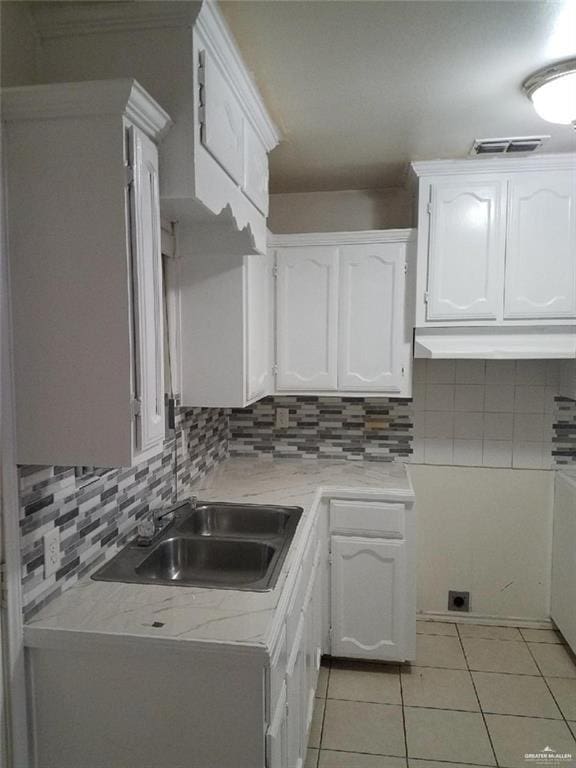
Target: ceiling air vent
[{"x": 509, "y": 146}]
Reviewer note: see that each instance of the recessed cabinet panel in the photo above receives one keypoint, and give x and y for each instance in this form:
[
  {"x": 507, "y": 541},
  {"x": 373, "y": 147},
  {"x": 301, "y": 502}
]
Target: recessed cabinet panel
[
  {"x": 541, "y": 246},
  {"x": 222, "y": 121},
  {"x": 466, "y": 248},
  {"x": 367, "y": 598},
  {"x": 255, "y": 170},
  {"x": 147, "y": 287},
  {"x": 258, "y": 322},
  {"x": 371, "y": 316},
  {"x": 307, "y": 307}
]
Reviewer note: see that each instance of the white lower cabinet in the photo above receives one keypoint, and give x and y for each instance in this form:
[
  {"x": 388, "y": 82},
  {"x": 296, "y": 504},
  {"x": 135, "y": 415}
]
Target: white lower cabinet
[
  {"x": 372, "y": 593},
  {"x": 367, "y": 597},
  {"x": 564, "y": 558}
]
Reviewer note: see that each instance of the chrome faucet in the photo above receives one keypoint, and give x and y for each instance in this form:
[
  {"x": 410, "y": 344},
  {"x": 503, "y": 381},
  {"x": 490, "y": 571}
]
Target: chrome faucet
[{"x": 148, "y": 530}]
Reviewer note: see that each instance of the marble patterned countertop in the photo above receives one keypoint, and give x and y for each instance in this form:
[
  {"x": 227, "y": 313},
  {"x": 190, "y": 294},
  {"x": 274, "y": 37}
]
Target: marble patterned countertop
[{"x": 104, "y": 612}]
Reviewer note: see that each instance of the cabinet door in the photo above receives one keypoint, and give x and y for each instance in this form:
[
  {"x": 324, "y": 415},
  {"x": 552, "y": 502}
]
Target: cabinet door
[
  {"x": 368, "y": 586},
  {"x": 277, "y": 734},
  {"x": 221, "y": 119},
  {"x": 296, "y": 692},
  {"x": 258, "y": 290},
  {"x": 147, "y": 291},
  {"x": 307, "y": 306},
  {"x": 564, "y": 560},
  {"x": 372, "y": 350},
  {"x": 466, "y": 250},
  {"x": 541, "y": 246},
  {"x": 255, "y": 170}
]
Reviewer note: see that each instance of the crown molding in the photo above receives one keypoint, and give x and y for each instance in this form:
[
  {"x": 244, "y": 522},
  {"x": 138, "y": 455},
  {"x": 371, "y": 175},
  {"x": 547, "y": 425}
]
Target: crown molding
[
  {"x": 342, "y": 238},
  {"x": 214, "y": 30},
  {"x": 551, "y": 162},
  {"x": 95, "y": 97}
]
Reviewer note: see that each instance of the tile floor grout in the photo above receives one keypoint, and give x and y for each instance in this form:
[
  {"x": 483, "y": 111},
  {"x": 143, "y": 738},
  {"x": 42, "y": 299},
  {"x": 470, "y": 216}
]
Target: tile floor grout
[
  {"x": 401, "y": 670},
  {"x": 477, "y": 696}
]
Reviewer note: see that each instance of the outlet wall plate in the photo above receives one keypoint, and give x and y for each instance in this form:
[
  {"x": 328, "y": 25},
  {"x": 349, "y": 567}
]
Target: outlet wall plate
[
  {"x": 51, "y": 552},
  {"x": 459, "y": 601},
  {"x": 282, "y": 418}
]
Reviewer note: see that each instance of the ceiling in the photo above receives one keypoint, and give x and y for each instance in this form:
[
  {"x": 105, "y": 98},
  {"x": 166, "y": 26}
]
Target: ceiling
[{"x": 359, "y": 88}]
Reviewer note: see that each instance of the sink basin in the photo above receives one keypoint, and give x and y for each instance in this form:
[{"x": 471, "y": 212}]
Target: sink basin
[
  {"x": 212, "y": 544},
  {"x": 231, "y": 520},
  {"x": 213, "y": 561}
]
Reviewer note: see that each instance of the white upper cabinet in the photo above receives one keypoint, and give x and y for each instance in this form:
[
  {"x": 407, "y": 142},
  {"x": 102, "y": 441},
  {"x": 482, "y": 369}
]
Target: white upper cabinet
[
  {"x": 466, "y": 253},
  {"x": 221, "y": 119},
  {"x": 213, "y": 166},
  {"x": 147, "y": 288},
  {"x": 221, "y": 322},
  {"x": 82, "y": 178},
  {"x": 307, "y": 318},
  {"x": 541, "y": 246},
  {"x": 371, "y": 317},
  {"x": 343, "y": 313},
  {"x": 497, "y": 242}
]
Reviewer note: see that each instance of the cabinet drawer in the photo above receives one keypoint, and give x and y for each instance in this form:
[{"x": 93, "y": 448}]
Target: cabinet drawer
[{"x": 385, "y": 519}]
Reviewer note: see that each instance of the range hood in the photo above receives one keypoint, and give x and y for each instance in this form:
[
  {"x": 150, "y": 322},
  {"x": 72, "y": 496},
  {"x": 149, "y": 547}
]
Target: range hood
[{"x": 496, "y": 343}]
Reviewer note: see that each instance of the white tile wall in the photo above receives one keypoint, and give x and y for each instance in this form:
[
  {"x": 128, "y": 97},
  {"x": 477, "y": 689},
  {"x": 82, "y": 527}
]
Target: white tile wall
[{"x": 495, "y": 413}]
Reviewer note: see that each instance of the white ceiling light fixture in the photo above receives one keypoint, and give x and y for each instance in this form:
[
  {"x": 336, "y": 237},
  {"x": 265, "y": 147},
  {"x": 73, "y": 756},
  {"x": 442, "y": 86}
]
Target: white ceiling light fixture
[{"x": 553, "y": 92}]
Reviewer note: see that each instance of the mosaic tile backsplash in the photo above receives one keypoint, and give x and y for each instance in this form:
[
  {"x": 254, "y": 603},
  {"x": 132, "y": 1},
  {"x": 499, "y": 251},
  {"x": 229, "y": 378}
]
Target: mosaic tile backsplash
[
  {"x": 371, "y": 428},
  {"x": 564, "y": 439},
  {"x": 96, "y": 519}
]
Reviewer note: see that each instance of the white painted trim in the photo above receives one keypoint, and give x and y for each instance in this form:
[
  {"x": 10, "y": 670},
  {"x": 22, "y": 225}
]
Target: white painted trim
[
  {"x": 506, "y": 164},
  {"x": 94, "y": 97},
  {"x": 213, "y": 27},
  {"x": 450, "y": 617},
  {"x": 342, "y": 238},
  {"x": 13, "y": 652}
]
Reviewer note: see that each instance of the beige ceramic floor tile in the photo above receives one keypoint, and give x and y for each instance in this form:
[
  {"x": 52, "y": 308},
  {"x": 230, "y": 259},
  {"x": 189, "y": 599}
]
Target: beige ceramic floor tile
[
  {"x": 514, "y": 737},
  {"x": 542, "y": 636},
  {"x": 435, "y": 734},
  {"x": 553, "y": 660},
  {"x": 438, "y": 689},
  {"x": 414, "y": 763},
  {"x": 311, "y": 758},
  {"x": 573, "y": 726},
  {"x": 330, "y": 759},
  {"x": 355, "y": 726},
  {"x": 437, "y": 651},
  {"x": 316, "y": 724},
  {"x": 564, "y": 691},
  {"x": 436, "y": 628},
  {"x": 488, "y": 632},
  {"x": 499, "y": 656},
  {"x": 322, "y": 685},
  {"x": 356, "y": 681},
  {"x": 515, "y": 695}
]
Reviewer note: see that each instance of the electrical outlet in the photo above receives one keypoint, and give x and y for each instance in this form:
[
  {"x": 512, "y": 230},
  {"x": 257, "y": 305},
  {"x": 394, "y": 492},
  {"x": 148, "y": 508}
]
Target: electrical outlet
[
  {"x": 282, "y": 418},
  {"x": 51, "y": 552}
]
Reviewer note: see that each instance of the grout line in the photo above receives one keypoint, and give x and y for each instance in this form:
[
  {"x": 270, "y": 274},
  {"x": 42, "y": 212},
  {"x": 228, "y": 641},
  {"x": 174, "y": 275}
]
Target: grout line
[
  {"x": 564, "y": 718},
  {"x": 403, "y": 714},
  {"x": 477, "y": 697}
]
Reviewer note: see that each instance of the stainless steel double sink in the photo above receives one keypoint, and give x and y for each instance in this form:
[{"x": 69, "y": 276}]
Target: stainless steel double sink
[{"x": 211, "y": 544}]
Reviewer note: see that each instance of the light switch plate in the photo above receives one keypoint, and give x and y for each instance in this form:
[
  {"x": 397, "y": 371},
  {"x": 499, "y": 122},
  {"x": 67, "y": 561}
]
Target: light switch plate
[{"x": 51, "y": 552}]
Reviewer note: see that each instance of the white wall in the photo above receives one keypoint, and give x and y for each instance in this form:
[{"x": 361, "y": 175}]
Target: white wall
[
  {"x": 349, "y": 210},
  {"x": 486, "y": 531}
]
